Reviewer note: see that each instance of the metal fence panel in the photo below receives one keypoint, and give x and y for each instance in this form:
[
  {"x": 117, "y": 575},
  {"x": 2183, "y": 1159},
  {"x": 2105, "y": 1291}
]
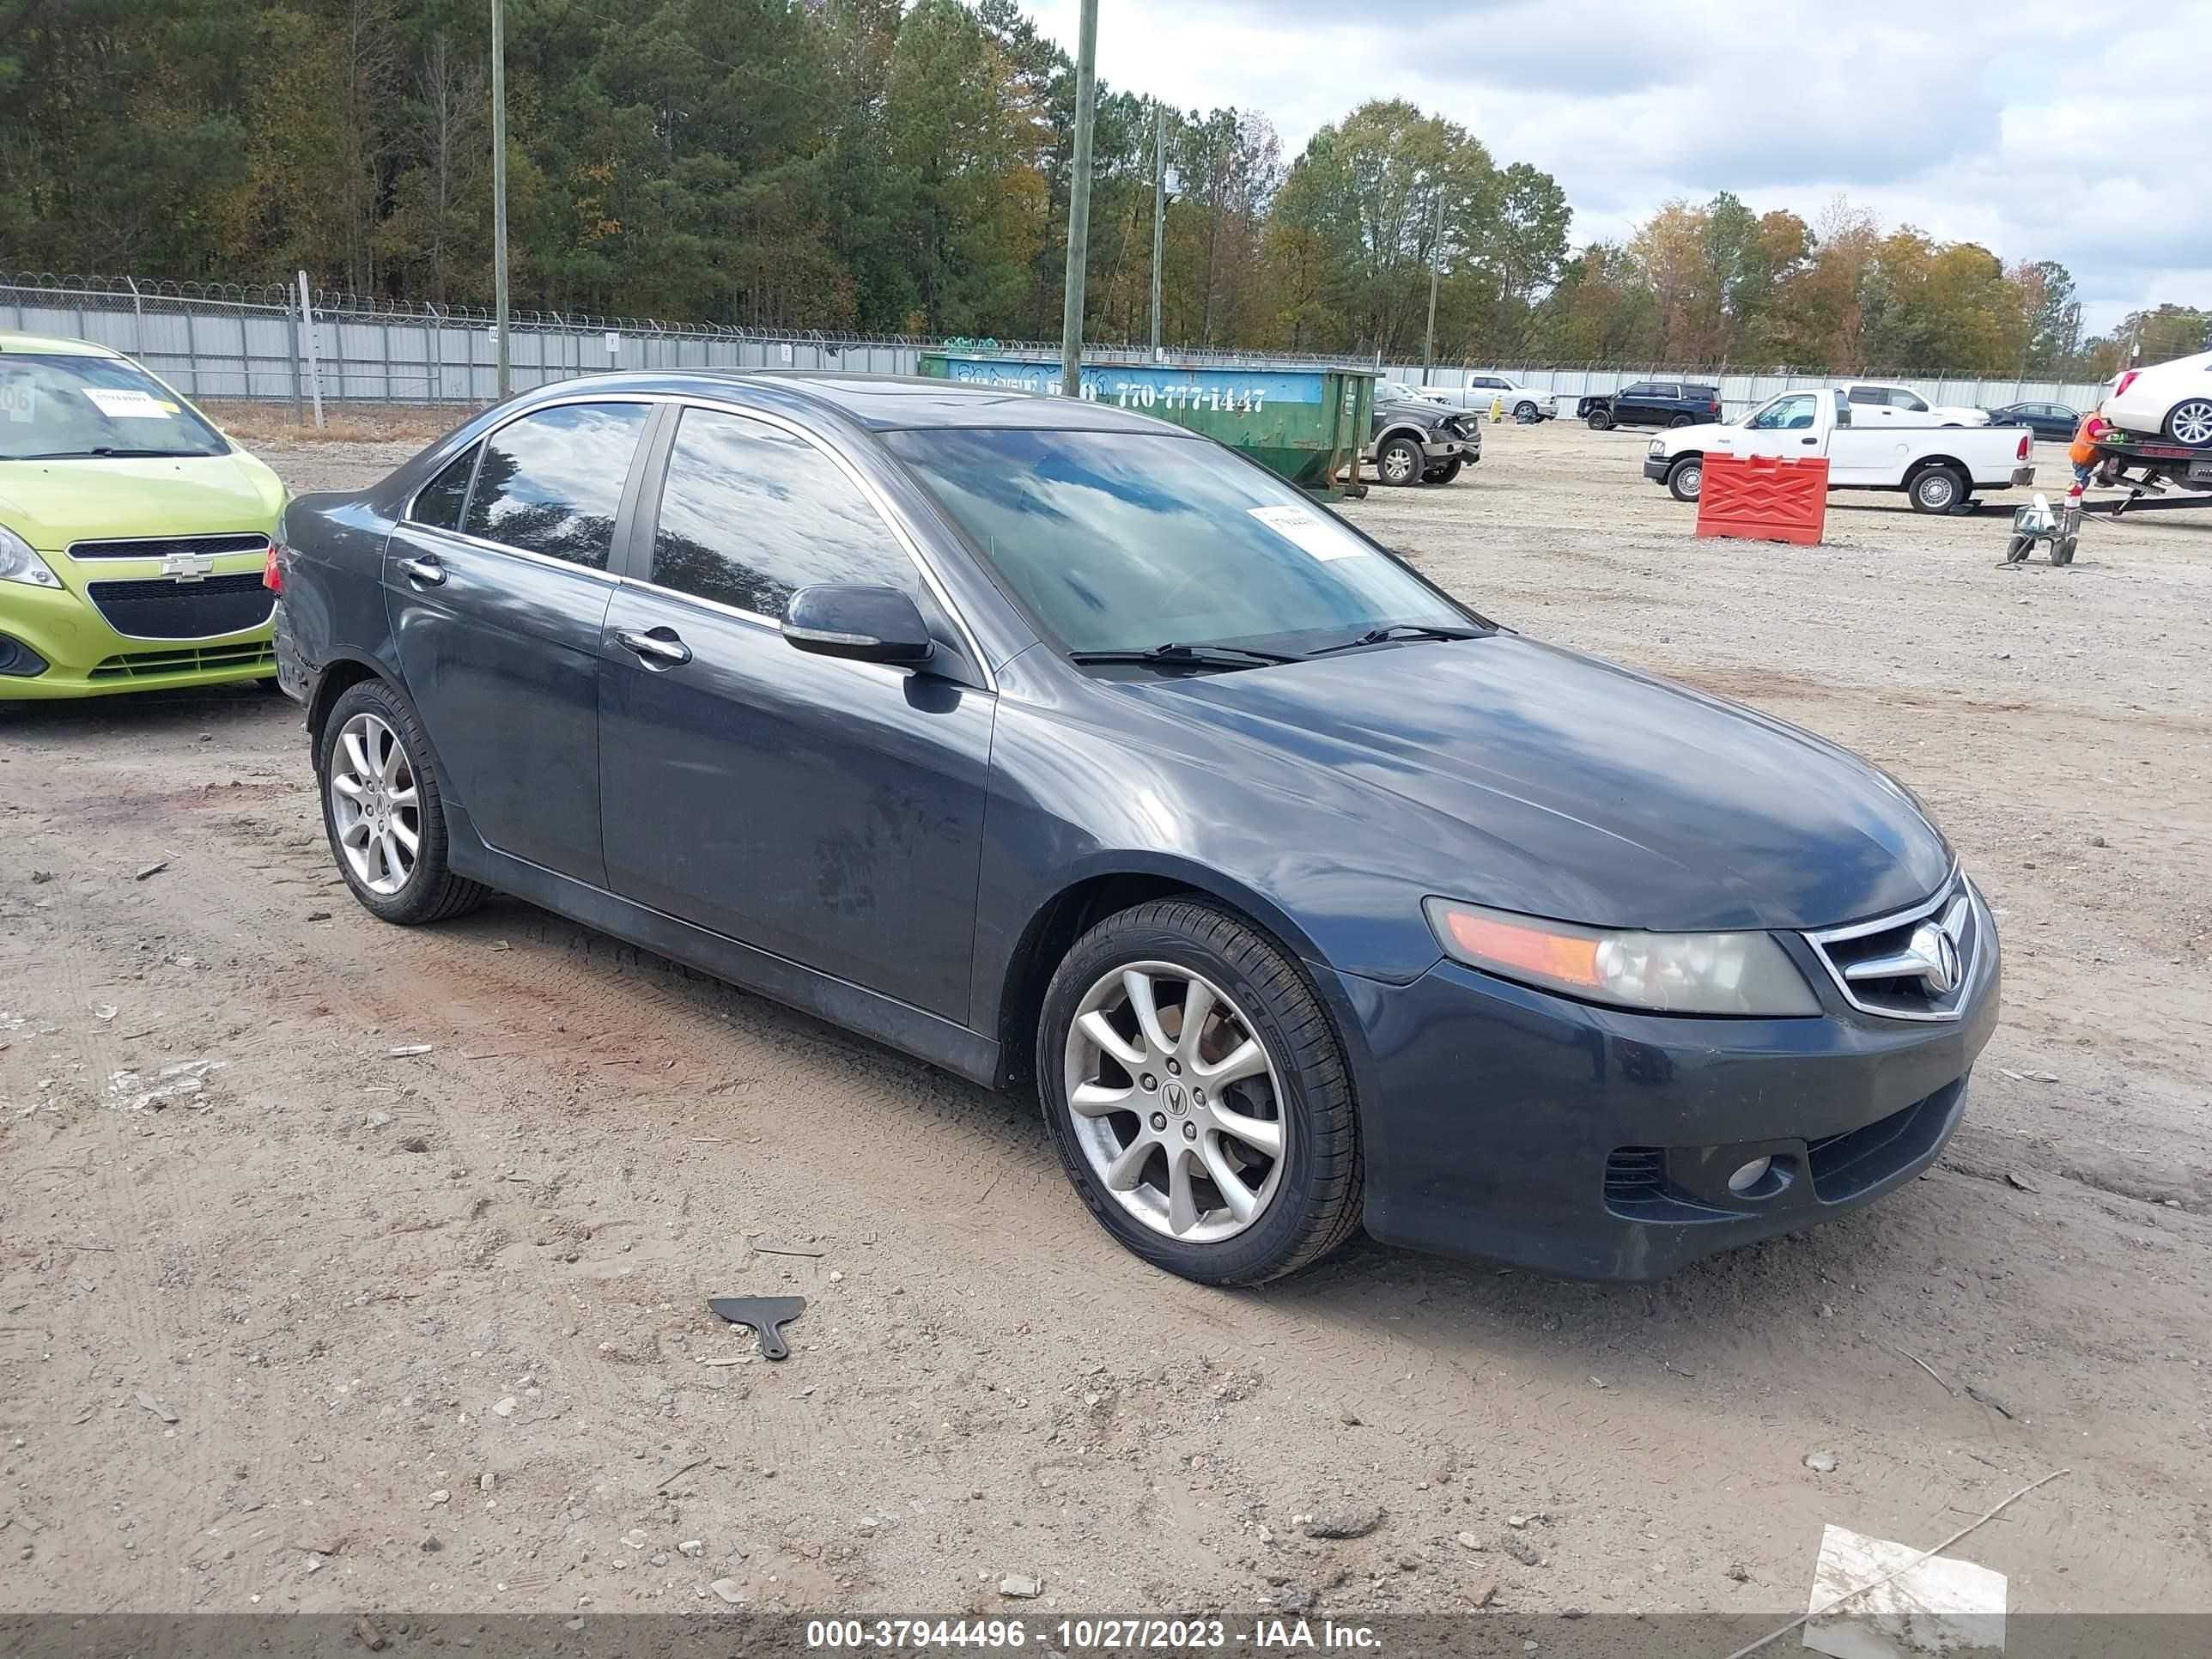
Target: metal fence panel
[{"x": 228, "y": 341}]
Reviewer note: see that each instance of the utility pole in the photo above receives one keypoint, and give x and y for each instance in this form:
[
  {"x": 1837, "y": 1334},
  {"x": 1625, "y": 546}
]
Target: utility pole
[
  {"x": 499, "y": 192},
  {"x": 1159, "y": 212},
  {"x": 1078, "y": 205},
  {"x": 1436, "y": 259}
]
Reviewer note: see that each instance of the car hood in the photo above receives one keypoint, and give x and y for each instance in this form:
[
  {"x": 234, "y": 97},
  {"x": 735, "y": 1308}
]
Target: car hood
[
  {"x": 52, "y": 503},
  {"x": 1676, "y": 439},
  {"x": 1556, "y": 785}
]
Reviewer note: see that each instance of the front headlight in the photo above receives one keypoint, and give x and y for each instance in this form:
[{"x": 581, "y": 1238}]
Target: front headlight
[
  {"x": 1658, "y": 446},
  {"x": 20, "y": 563},
  {"x": 1746, "y": 974}
]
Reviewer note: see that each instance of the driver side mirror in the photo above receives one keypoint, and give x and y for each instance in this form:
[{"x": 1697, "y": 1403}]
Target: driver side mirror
[{"x": 859, "y": 621}]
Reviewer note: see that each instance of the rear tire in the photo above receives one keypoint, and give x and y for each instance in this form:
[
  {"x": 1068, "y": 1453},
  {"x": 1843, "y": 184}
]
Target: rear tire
[
  {"x": 2061, "y": 550},
  {"x": 1683, "y": 420},
  {"x": 1685, "y": 479},
  {"x": 1400, "y": 462},
  {"x": 1305, "y": 1198},
  {"x": 1938, "y": 489},
  {"x": 372, "y": 733}
]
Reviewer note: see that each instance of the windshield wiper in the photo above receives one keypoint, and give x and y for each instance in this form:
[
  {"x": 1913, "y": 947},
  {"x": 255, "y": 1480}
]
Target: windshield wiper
[
  {"x": 1172, "y": 655},
  {"x": 1398, "y": 631},
  {"x": 108, "y": 451}
]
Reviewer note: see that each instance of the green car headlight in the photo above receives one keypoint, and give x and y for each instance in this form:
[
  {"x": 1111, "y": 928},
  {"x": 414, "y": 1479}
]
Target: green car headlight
[{"x": 20, "y": 563}]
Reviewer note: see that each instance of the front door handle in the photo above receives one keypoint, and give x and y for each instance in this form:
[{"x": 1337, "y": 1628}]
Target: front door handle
[
  {"x": 659, "y": 646},
  {"x": 1808, "y": 442},
  {"x": 428, "y": 572}
]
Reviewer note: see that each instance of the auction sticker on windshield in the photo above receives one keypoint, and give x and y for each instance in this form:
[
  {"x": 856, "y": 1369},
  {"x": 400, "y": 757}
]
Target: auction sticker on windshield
[
  {"x": 120, "y": 404},
  {"x": 1324, "y": 538}
]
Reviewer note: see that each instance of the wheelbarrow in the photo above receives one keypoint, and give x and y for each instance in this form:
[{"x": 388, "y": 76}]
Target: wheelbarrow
[{"x": 2058, "y": 528}]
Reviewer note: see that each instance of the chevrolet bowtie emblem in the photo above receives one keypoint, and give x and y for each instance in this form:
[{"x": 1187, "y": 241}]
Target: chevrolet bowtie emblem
[{"x": 188, "y": 566}]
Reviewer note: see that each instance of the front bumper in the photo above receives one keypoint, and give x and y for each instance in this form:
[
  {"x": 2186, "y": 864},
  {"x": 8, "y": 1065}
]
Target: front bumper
[
  {"x": 1656, "y": 467},
  {"x": 1507, "y": 1124},
  {"x": 84, "y": 657}
]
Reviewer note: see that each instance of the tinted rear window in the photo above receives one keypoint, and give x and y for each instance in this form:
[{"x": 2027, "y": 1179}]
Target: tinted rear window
[{"x": 551, "y": 483}]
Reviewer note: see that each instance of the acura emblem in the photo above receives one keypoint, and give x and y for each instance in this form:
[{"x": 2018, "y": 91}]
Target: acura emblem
[{"x": 1937, "y": 954}]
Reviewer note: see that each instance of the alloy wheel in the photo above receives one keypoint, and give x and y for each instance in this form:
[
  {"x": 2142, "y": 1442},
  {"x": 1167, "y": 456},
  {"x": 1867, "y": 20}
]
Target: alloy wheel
[
  {"x": 1176, "y": 1102},
  {"x": 374, "y": 804},
  {"x": 1398, "y": 465},
  {"x": 2192, "y": 422}
]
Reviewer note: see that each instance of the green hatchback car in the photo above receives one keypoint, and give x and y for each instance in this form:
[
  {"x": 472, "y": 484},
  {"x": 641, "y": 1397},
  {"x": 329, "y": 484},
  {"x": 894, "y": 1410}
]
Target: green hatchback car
[{"x": 133, "y": 535}]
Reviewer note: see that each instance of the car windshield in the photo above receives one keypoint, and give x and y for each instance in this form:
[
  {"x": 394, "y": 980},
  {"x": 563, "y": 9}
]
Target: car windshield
[
  {"x": 1126, "y": 541},
  {"x": 59, "y": 406}
]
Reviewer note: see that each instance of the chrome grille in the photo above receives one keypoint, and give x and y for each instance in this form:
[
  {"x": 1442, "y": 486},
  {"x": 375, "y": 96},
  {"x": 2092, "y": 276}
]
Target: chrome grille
[{"x": 1915, "y": 964}]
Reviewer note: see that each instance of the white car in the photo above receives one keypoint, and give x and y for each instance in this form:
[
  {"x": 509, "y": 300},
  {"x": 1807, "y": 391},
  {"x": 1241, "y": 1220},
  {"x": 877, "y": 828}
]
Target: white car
[
  {"x": 2167, "y": 400},
  {"x": 1521, "y": 403},
  {"x": 1885, "y": 402}
]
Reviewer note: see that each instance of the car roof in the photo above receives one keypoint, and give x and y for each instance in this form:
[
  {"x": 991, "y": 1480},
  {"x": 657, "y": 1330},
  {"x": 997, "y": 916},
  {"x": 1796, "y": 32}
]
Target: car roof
[
  {"x": 885, "y": 402},
  {"x": 49, "y": 346}
]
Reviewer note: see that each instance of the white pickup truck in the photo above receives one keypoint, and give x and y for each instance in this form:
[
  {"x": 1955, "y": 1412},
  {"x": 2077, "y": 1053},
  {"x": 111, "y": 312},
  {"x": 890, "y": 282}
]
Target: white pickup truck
[{"x": 1939, "y": 468}]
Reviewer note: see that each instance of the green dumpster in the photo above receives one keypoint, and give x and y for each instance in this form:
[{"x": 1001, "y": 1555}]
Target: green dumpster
[{"x": 1305, "y": 421}]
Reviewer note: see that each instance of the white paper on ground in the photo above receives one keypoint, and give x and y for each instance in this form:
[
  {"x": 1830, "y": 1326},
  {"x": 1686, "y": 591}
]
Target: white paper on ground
[
  {"x": 1322, "y": 537},
  {"x": 123, "y": 404},
  {"x": 1939, "y": 1607}
]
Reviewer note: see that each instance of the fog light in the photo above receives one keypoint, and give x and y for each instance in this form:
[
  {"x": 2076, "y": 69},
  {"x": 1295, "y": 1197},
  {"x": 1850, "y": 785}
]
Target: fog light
[{"x": 1749, "y": 1175}]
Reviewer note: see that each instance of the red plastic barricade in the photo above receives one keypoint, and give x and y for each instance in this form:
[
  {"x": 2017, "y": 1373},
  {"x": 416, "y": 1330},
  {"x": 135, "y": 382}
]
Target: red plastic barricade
[{"x": 1763, "y": 499}]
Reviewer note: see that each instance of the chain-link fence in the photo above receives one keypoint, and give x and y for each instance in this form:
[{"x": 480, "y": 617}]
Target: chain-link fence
[{"x": 217, "y": 340}]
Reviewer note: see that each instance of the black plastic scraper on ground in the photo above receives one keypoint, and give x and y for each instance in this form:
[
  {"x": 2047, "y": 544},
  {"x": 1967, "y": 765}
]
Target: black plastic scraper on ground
[{"x": 768, "y": 1315}]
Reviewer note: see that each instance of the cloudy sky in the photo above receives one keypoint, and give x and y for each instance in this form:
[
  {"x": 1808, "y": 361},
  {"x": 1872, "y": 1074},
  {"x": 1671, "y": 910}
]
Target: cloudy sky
[{"x": 2042, "y": 130}]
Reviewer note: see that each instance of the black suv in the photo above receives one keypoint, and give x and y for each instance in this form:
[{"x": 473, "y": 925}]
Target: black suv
[{"x": 1653, "y": 402}]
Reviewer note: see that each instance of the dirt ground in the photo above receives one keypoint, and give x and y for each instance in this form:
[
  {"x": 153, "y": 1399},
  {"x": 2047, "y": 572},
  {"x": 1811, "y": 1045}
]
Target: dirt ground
[{"x": 317, "y": 1321}]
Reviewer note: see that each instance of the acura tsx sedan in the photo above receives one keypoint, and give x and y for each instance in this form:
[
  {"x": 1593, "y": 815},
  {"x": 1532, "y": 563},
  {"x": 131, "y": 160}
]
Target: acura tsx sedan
[{"x": 1064, "y": 749}]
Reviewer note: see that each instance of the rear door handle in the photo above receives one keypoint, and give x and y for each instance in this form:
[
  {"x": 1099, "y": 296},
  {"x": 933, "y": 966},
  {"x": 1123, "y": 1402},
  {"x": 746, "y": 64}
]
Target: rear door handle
[
  {"x": 428, "y": 572},
  {"x": 659, "y": 646}
]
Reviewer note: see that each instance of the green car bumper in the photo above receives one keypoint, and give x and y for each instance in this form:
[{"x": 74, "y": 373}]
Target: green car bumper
[{"x": 130, "y": 625}]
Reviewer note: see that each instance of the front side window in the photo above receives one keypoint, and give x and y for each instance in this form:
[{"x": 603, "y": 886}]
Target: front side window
[
  {"x": 59, "y": 406},
  {"x": 750, "y": 515},
  {"x": 551, "y": 483},
  {"x": 438, "y": 502},
  {"x": 1900, "y": 398},
  {"x": 1121, "y": 541},
  {"x": 1640, "y": 391},
  {"x": 1786, "y": 414}
]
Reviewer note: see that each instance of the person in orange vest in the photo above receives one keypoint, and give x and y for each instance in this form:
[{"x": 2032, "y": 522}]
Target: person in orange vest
[{"x": 2093, "y": 428}]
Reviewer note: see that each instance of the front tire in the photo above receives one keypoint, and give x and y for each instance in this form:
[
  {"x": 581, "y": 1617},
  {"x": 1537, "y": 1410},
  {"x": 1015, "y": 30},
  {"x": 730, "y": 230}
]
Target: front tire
[
  {"x": 1400, "y": 462},
  {"x": 383, "y": 810},
  {"x": 1446, "y": 473},
  {"x": 1685, "y": 479},
  {"x": 1600, "y": 419},
  {"x": 1526, "y": 413},
  {"x": 2191, "y": 422},
  {"x": 1198, "y": 1096},
  {"x": 1939, "y": 490}
]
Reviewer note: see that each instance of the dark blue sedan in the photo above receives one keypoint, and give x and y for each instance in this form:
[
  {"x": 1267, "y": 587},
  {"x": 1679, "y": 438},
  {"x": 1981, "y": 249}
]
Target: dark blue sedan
[{"x": 1064, "y": 749}]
